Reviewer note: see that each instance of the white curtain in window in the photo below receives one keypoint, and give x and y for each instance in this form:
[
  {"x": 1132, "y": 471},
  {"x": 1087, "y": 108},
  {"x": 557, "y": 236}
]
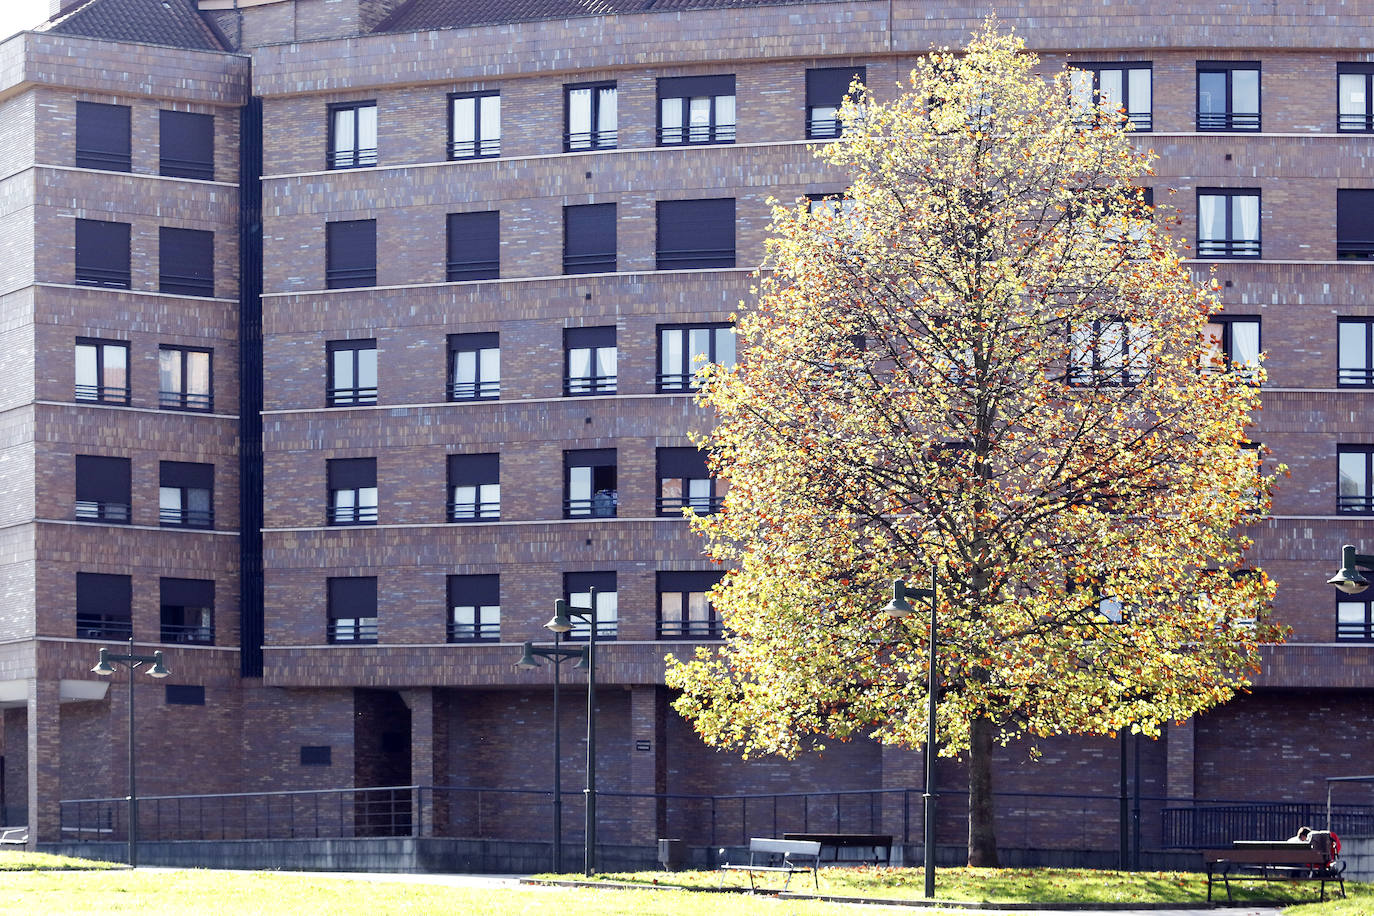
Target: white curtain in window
[
  {"x": 169, "y": 370},
  {"x": 1139, "y": 84},
  {"x": 1353, "y": 346},
  {"x": 725, "y": 111},
  {"x": 1351, "y": 93},
  {"x": 1081, "y": 90},
  {"x": 606, "y": 113},
  {"x": 344, "y": 138},
  {"x": 491, "y": 364},
  {"x": 1211, "y": 219},
  {"x": 491, "y": 119},
  {"x": 197, "y": 373},
  {"x": 1109, "y": 89},
  {"x": 579, "y": 113},
  {"x": 605, "y": 362},
  {"x": 1245, "y": 343},
  {"x": 86, "y": 376},
  {"x": 367, "y": 127},
  {"x": 1245, "y": 217},
  {"x": 670, "y": 352},
  {"x": 464, "y": 120}
]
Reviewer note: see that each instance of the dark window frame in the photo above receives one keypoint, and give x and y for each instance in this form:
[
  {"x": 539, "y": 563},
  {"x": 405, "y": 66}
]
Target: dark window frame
[
  {"x": 481, "y": 387},
  {"x": 670, "y": 463},
  {"x": 1229, "y": 120},
  {"x": 359, "y": 629},
  {"x": 351, "y": 475},
  {"x": 104, "y": 489},
  {"x": 477, "y": 148},
  {"x": 688, "y": 134},
  {"x": 1227, "y": 344},
  {"x": 1230, "y": 246},
  {"x": 577, "y": 583},
  {"x": 464, "y": 269},
  {"x": 486, "y": 618},
  {"x": 337, "y": 248},
  {"x": 100, "y": 154},
  {"x": 684, "y": 379},
  {"x": 200, "y": 280},
  {"x": 183, "y": 399},
  {"x": 101, "y": 393},
  {"x": 685, "y": 584},
  {"x": 1355, "y": 216},
  {"x": 354, "y": 157},
  {"x": 1362, "y": 123},
  {"x": 593, "y": 340},
  {"x": 603, "y": 492},
  {"x": 186, "y": 478},
  {"x": 590, "y": 219},
  {"x": 174, "y": 627},
  {"x": 355, "y": 395},
  {"x": 1141, "y": 123},
  {"x": 1127, "y": 374},
  {"x": 97, "y": 257},
  {"x": 668, "y": 251},
  {"x": 828, "y": 128},
  {"x": 1356, "y": 503},
  {"x": 104, "y": 606},
  {"x": 179, "y": 123},
  {"x": 1361, "y": 376},
  {"x": 478, "y": 471},
  {"x": 595, "y": 137}
]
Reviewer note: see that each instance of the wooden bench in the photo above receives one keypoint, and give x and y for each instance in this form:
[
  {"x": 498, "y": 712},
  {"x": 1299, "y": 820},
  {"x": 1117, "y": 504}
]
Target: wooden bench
[
  {"x": 880, "y": 845},
  {"x": 1275, "y": 860},
  {"x": 787, "y": 857}
]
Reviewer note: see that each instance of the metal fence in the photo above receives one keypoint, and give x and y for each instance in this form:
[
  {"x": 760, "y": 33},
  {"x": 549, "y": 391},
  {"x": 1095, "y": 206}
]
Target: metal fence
[{"x": 1024, "y": 820}]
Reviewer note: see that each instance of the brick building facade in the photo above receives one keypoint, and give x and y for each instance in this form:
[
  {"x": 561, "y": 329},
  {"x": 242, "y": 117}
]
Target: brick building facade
[{"x": 346, "y": 134}]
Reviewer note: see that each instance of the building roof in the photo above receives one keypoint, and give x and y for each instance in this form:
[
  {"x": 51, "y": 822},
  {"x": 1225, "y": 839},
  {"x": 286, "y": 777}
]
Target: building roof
[
  {"x": 175, "y": 23},
  {"x": 417, "y": 15}
]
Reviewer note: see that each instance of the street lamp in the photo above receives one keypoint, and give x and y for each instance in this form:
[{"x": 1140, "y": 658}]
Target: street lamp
[
  {"x": 106, "y": 667},
  {"x": 898, "y": 608},
  {"x": 530, "y": 660},
  {"x": 1348, "y": 578},
  {"x": 561, "y": 623}
]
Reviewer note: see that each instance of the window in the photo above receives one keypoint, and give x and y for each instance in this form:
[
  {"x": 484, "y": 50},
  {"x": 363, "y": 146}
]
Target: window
[
  {"x": 102, "y": 254},
  {"x": 474, "y": 246},
  {"x": 1228, "y": 95},
  {"x": 102, "y": 371},
  {"x": 353, "y": 135},
  {"x": 1228, "y": 223},
  {"x": 1232, "y": 342},
  {"x": 1355, "y": 224},
  {"x": 683, "y": 349},
  {"x": 591, "y": 361},
  {"x": 696, "y": 233},
  {"x": 1355, "y": 97},
  {"x": 352, "y": 491},
  {"x": 1355, "y": 494},
  {"x": 1123, "y": 86},
  {"x": 589, "y": 483},
  {"x": 684, "y": 481},
  {"x": 102, "y": 137},
  {"x": 696, "y": 109},
  {"x": 474, "y": 608},
  {"x": 589, "y": 239},
  {"x": 591, "y": 116},
  {"x": 1355, "y": 615},
  {"x": 186, "y": 145},
  {"x": 102, "y": 489},
  {"x": 184, "y": 695},
  {"x": 576, "y": 588},
  {"x": 188, "y": 611},
  {"x": 474, "y": 366},
  {"x": 103, "y": 606},
  {"x": 474, "y": 127},
  {"x": 474, "y": 487},
  {"x": 1355, "y": 352},
  {"x": 352, "y": 609},
  {"x": 317, "y": 755},
  {"x": 683, "y": 609},
  {"x": 186, "y": 262},
  {"x": 185, "y": 496},
  {"x": 183, "y": 378},
  {"x": 826, "y": 88},
  {"x": 1100, "y": 605},
  {"x": 1108, "y": 352},
  {"x": 352, "y": 372},
  {"x": 351, "y": 253},
  {"x": 1212, "y": 580}
]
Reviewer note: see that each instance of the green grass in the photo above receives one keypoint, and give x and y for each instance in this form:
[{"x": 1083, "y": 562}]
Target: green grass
[
  {"x": 1017, "y": 885},
  {"x": 18, "y": 860}
]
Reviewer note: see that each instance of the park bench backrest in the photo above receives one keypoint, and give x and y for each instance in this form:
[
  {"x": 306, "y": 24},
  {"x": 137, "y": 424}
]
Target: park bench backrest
[
  {"x": 765, "y": 846},
  {"x": 1321, "y": 842}
]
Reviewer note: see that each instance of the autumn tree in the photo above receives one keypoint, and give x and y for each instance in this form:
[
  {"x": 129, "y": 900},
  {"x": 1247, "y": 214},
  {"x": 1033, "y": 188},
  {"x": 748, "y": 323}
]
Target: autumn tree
[{"x": 986, "y": 358}]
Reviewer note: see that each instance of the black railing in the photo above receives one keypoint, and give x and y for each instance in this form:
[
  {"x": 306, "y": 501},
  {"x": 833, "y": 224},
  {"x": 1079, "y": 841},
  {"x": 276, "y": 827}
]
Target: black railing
[
  {"x": 676, "y": 381},
  {"x": 474, "y": 632},
  {"x": 475, "y": 149},
  {"x": 350, "y": 277},
  {"x": 180, "y": 285},
  {"x": 352, "y": 397},
  {"x": 198, "y": 169},
  {"x": 1202, "y": 826},
  {"x": 695, "y": 258},
  {"x": 100, "y": 626},
  {"x": 1355, "y": 123},
  {"x": 90, "y": 510},
  {"x": 353, "y": 515},
  {"x": 186, "y": 633},
  {"x": 87, "y": 158},
  {"x": 589, "y": 384},
  {"x": 1354, "y": 630},
  {"x": 355, "y": 158},
  {"x": 589, "y": 139},
  {"x": 696, "y": 133},
  {"x": 690, "y": 629},
  {"x": 702, "y": 505},
  {"x": 477, "y": 390},
  {"x": 601, "y": 504},
  {"x": 1228, "y": 248},
  {"x": 474, "y": 511},
  {"x": 458, "y": 271},
  {"x": 1228, "y": 120},
  {"x": 1140, "y": 120},
  {"x": 110, "y": 278},
  {"x": 823, "y": 128},
  {"x": 599, "y": 262},
  {"x": 103, "y": 394},
  {"x": 185, "y": 400},
  {"x": 186, "y": 518},
  {"x": 1354, "y": 249},
  {"x": 358, "y": 630},
  {"x": 1355, "y": 376},
  {"x": 1359, "y": 504}
]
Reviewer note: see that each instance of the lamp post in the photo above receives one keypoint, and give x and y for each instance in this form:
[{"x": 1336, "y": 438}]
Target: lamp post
[
  {"x": 529, "y": 660},
  {"x": 106, "y": 667},
  {"x": 1348, "y": 578},
  {"x": 562, "y": 623},
  {"x": 898, "y": 608}
]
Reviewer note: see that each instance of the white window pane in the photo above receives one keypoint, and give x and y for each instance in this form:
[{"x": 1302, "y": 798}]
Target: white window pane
[
  {"x": 169, "y": 370},
  {"x": 464, "y": 367},
  {"x": 579, "y": 362},
  {"x": 344, "y": 499},
  {"x": 169, "y": 498},
  {"x": 607, "y": 608},
  {"x": 1211, "y": 216},
  {"x": 1081, "y": 89},
  {"x": 697, "y": 607},
  {"x": 1214, "y": 356},
  {"x": 670, "y": 111},
  {"x": 465, "y": 615},
  {"x": 579, "y": 113},
  {"x": 343, "y": 129},
  {"x": 491, "y": 117},
  {"x": 1352, "y": 93},
  {"x": 1350, "y": 612},
  {"x": 197, "y": 373},
  {"x": 606, "y": 117},
  {"x": 1080, "y": 353},
  {"x": 1111, "y": 609},
  {"x": 605, "y": 362},
  {"x": 491, "y": 364},
  {"x": 1245, "y": 217},
  {"x": 699, "y": 491},
  {"x": 367, "y": 497},
  {"x": 1111, "y": 345},
  {"x": 670, "y": 604},
  {"x": 725, "y": 346},
  {"x": 699, "y": 111},
  {"x": 579, "y": 483},
  {"x": 85, "y": 366},
  {"x": 725, "y": 111},
  {"x": 1109, "y": 88},
  {"x": 367, "y": 368},
  {"x": 1245, "y": 91},
  {"x": 1353, "y": 349},
  {"x": 464, "y": 499},
  {"x": 1139, "y": 85},
  {"x": 491, "y": 496},
  {"x": 464, "y": 120},
  {"x": 116, "y": 365},
  {"x": 1352, "y": 467},
  {"x": 671, "y": 347},
  {"x": 1245, "y": 342},
  {"x": 1211, "y": 93},
  {"x": 343, "y": 368},
  {"x": 699, "y": 345}
]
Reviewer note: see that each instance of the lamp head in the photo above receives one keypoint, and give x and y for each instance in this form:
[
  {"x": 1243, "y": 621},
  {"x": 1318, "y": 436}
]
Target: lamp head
[
  {"x": 103, "y": 666},
  {"x": 158, "y": 670},
  {"x": 1348, "y": 578},
  {"x": 527, "y": 660},
  {"x": 899, "y": 607},
  {"x": 583, "y": 662},
  {"x": 560, "y": 622}
]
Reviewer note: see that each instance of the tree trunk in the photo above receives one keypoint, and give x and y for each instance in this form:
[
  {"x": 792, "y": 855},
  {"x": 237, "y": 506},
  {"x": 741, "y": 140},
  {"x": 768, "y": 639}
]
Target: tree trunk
[{"x": 982, "y": 836}]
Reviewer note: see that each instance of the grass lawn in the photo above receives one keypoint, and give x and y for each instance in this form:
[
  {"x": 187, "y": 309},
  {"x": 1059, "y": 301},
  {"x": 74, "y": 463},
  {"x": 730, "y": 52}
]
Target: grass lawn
[
  {"x": 1013, "y": 885},
  {"x": 18, "y": 860}
]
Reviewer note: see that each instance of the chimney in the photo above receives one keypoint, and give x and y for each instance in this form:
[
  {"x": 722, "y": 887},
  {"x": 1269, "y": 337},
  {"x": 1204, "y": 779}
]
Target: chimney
[{"x": 62, "y": 7}]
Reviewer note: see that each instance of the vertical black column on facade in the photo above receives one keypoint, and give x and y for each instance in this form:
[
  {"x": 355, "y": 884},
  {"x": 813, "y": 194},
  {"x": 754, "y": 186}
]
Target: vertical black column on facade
[{"x": 251, "y": 621}]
